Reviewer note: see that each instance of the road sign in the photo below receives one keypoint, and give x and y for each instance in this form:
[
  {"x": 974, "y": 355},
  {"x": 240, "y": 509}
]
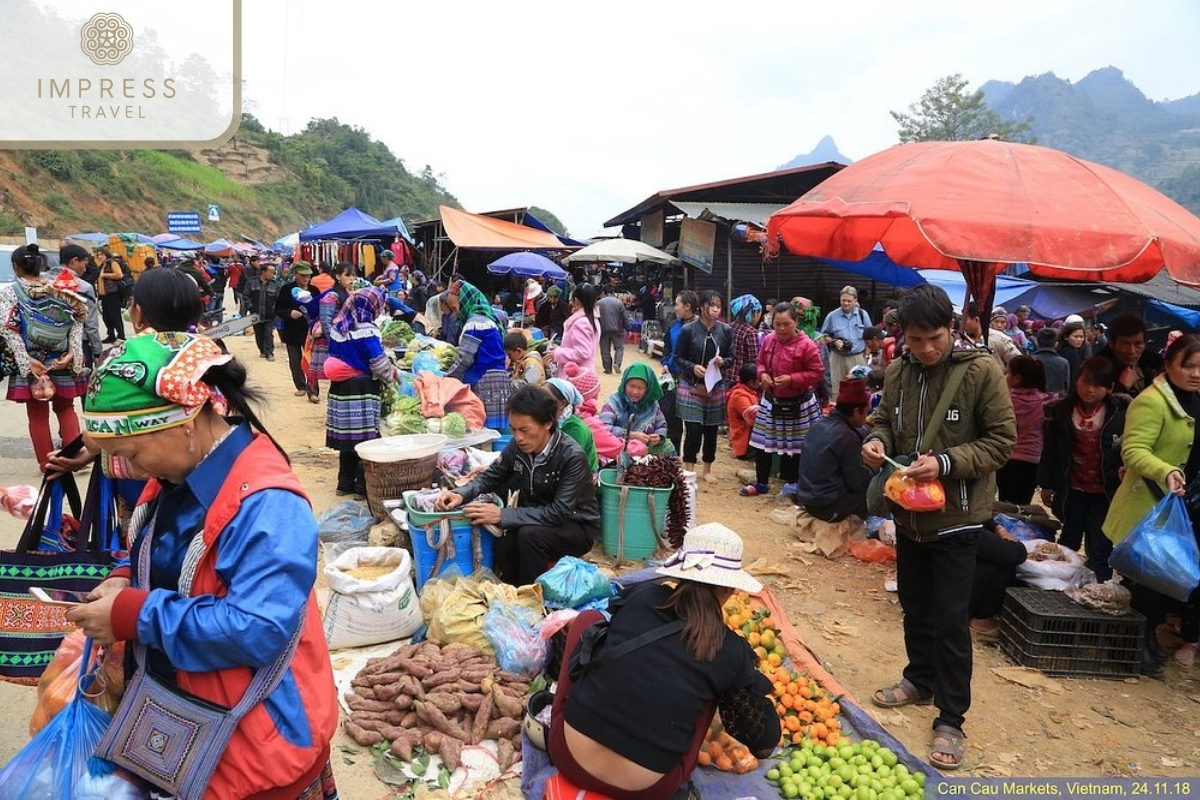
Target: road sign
[
  {"x": 214, "y": 212},
  {"x": 183, "y": 222}
]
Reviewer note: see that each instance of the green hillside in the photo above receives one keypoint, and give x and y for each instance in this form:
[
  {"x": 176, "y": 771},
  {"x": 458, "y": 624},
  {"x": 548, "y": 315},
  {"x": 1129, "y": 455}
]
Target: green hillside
[{"x": 266, "y": 184}]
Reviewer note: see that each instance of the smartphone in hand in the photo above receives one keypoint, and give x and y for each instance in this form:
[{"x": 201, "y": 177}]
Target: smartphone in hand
[{"x": 58, "y": 597}]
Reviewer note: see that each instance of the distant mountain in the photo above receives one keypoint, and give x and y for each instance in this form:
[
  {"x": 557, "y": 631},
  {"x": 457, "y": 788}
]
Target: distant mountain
[
  {"x": 1106, "y": 119},
  {"x": 826, "y": 150}
]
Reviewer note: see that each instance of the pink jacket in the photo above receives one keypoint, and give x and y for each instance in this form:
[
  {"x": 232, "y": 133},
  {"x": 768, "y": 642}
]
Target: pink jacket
[
  {"x": 1029, "y": 406},
  {"x": 579, "y": 343},
  {"x": 798, "y": 358}
]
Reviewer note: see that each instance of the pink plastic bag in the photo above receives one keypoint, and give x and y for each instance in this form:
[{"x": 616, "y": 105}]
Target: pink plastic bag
[{"x": 18, "y": 500}]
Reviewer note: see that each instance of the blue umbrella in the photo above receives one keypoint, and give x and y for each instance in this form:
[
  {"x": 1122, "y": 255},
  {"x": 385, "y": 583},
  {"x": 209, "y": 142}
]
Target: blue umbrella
[{"x": 526, "y": 265}]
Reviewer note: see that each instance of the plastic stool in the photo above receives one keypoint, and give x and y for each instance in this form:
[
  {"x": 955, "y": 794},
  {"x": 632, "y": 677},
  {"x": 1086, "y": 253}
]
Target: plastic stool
[{"x": 559, "y": 788}]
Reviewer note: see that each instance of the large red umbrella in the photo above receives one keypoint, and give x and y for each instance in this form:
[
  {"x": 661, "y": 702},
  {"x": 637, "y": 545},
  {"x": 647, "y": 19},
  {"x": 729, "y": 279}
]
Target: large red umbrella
[{"x": 978, "y": 206}]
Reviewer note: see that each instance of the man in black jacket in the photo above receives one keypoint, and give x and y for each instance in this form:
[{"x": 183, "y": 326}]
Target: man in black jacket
[
  {"x": 295, "y": 298},
  {"x": 1058, "y": 369},
  {"x": 1136, "y": 365},
  {"x": 833, "y": 479},
  {"x": 262, "y": 293}
]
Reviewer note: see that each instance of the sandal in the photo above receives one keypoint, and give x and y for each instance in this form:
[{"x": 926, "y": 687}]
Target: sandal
[
  {"x": 948, "y": 748},
  {"x": 984, "y": 634},
  {"x": 901, "y": 693},
  {"x": 754, "y": 490}
]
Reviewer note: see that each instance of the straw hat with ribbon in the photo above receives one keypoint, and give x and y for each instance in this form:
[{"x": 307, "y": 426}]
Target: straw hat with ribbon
[{"x": 711, "y": 554}]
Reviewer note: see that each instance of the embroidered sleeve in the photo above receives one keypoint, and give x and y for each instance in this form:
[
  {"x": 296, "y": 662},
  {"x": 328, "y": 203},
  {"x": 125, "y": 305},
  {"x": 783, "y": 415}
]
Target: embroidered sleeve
[{"x": 468, "y": 347}]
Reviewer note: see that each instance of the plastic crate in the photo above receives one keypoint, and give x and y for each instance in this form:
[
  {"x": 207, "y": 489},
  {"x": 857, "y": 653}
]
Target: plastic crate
[{"x": 1050, "y": 632}]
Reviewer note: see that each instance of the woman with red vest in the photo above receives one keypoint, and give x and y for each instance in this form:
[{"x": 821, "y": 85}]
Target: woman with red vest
[{"x": 225, "y": 548}]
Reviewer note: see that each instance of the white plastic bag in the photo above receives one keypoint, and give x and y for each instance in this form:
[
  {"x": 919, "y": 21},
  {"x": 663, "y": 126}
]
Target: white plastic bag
[
  {"x": 366, "y": 604},
  {"x": 1055, "y": 575}
]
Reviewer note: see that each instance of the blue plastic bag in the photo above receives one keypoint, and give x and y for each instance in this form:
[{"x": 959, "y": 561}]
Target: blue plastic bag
[
  {"x": 1023, "y": 531},
  {"x": 54, "y": 764},
  {"x": 426, "y": 361},
  {"x": 573, "y": 583},
  {"x": 515, "y": 634},
  {"x": 1161, "y": 552}
]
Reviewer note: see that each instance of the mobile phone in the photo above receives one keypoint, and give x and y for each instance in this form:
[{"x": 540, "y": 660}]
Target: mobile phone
[{"x": 58, "y": 597}]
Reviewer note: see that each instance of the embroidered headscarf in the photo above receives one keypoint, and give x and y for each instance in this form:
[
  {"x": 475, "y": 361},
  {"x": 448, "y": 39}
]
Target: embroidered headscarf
[
  {"x": 152, "y": 382},
  {"x": 641, "y": 372},
  {"x": 361, "y": 308},
  {"x": 471, "y": 303},
  {"x": 744, "y": 306}
]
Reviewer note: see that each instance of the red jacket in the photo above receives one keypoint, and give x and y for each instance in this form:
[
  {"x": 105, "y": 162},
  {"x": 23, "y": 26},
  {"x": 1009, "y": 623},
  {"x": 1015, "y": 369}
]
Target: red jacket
[
  {"x": 741, "y": 407},
  {"x": 259, "y": 763}
]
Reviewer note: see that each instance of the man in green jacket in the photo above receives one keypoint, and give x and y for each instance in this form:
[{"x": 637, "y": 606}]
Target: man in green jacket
[{"x": 935, "y": 551}]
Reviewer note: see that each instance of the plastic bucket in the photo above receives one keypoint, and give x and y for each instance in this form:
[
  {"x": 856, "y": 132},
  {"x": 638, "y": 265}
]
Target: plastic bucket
[
  {"x": 632, "y": 518},
  {"x": 450, "y": 536},
  {"x": 501, "y": 442}
]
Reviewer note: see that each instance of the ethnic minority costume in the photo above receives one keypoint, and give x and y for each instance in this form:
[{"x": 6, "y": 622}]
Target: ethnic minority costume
[
  {"x": 38, "y": 321},
  {"x": 622, "y": 416},
  {"x": 785, "y": 415},
  {"x": 482, "y": 363}
]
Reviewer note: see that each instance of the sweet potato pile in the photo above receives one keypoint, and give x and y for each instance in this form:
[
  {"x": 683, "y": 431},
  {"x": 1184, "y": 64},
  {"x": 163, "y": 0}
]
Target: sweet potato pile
[{"x": 440, "y": 699}]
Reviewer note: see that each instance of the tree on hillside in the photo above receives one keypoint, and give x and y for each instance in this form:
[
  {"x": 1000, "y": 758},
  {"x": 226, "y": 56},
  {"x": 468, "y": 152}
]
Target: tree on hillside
[
  {"x": 553, "y": 222},
  {"x": 948, "y": 112}
]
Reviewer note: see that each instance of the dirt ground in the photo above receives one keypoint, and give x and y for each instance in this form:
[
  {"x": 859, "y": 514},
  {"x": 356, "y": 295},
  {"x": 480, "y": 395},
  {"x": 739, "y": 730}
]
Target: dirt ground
[{"x": 1064, "y": 727}]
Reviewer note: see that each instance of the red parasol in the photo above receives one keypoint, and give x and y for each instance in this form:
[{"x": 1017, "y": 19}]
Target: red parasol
[{"x": 977, "y": 206}]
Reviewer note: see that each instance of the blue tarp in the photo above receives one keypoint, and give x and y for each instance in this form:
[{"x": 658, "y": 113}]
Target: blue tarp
[
  {"x": 401, "y": 228},
  {"x": 878, "y": 266},
  {"x": 1046, "y": 300},
  {"x": 350, "y": 224},
  {"x": 1157, "y": 313},
  {"x": 535, "y": 223},
  {"x": 98, "y": 238},
  {"x": 179, "y": 243}
]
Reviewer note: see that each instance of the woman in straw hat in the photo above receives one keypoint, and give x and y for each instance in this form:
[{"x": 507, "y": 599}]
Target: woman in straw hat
[
  {"x": 631, "y": 726},
  {"x": 223, "y": 560}
]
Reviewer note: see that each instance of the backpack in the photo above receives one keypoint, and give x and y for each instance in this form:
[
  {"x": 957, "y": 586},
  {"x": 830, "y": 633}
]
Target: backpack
[{"x": 126, "y": 284}]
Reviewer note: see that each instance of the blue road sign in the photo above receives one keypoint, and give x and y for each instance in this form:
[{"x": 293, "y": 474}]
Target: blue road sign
[{"x": 183, "y": 222}]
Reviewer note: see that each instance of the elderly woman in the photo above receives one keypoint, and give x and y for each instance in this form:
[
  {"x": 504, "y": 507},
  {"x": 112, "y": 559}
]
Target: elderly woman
[
  {"x": 1161, "y": 451},
  {"x": 221, "y": 573},
  {"x": 552, "y": 508}
]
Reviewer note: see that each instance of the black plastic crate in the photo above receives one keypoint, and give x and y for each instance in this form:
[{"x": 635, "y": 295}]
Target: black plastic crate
[{"x": 1050, "y": 632}]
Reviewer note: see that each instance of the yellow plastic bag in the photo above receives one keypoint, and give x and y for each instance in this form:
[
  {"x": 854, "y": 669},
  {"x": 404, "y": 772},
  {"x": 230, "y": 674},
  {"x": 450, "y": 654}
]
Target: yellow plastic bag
[{"x": 453, "y": 608}]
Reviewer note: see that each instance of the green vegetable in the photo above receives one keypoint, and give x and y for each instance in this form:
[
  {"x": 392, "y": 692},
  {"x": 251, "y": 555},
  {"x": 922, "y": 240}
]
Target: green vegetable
[
  {"x": 454, "y": 425},
  {"x": 395, "y": 332}
]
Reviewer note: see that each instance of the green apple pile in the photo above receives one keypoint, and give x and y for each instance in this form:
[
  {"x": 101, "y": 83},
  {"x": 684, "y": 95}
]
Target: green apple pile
[{"x": 857, "y": 771}]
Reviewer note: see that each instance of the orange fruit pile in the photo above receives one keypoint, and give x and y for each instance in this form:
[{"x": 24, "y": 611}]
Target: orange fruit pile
[
  {"x": 722, "y": 751},
  {"x": 805, "y": 709},
  {"x": 752, "y": 621}
]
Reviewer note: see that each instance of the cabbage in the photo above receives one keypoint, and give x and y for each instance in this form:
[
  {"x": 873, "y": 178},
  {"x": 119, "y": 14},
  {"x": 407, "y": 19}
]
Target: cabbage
[{"x": 454, "y": 425}]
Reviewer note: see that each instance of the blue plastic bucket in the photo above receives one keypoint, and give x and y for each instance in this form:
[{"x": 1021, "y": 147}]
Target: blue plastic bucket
[
  {"x": 631, "y": 517},
  {"x": 499, "y": 444},
  {"x": 451, "y": 535}
]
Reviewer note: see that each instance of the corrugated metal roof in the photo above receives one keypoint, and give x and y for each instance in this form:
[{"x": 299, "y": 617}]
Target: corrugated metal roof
[
  {"x": 1161, "y": 287},
  {"x": 734, "y": 212}
]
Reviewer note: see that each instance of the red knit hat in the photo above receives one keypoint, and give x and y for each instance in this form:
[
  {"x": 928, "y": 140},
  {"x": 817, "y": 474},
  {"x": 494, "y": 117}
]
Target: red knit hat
[
  {"x": 585, "y": 380},
  {"x": 853, "y": 391}
]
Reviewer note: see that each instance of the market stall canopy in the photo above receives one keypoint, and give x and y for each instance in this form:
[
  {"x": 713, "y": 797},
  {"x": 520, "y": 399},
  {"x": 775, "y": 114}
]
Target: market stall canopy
[
  {"x": 473, "y": 231},
  {"x": 980, "y": 205},
  {"x": 179, "y": 243},
  {"x": 350, "y": 224},
  {"x": 220, "y": 247},
  {"x": 626, "y": 251},
  {"x": 1046, "y": 300},
  {"x": 526, "y": 265},
  {"x": 533, "y": 222},
  {"x": 287, "y": 242},
  {"x": 94, "y": 238},
  {"x": 400, "y": 227}
]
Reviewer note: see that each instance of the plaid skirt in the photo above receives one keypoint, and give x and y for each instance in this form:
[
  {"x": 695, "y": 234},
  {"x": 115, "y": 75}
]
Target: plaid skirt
[
  {"x": 783, "y": 433},
  {"x": 351, "y": 413},
  {"x": 316, "y": 360},
  {"x": 707, "y": 409},
  {"x": 493, "y": 389},
  {"x": 66, "y": 384}
]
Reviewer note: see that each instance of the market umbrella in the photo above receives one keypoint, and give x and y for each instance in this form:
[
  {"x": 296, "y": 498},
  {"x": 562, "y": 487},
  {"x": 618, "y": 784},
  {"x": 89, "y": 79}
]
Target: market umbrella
[
  {"x": 526, "y": 265},
  {"x": 978, "y": 206},
  {"x": 627, "y": 251}
]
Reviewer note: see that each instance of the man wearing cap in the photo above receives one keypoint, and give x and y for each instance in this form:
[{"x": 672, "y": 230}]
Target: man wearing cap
[
  {"x": 552, "y": 314},
  {"x": 74, "y": 261},
  {"x": 295, "y": 308},
  {"x": 996, "y": 342},
  {"x": 1136, "y": 364},
  {"x": 833, "y": 479},
  {"x": 1058, "y": 369},
  {"x": 843, "y": 335}
]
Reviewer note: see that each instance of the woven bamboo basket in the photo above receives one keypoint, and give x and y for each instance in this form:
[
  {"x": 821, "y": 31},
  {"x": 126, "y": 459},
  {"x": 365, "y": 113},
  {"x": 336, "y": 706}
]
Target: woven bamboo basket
[{"x": 390, "y": 480}]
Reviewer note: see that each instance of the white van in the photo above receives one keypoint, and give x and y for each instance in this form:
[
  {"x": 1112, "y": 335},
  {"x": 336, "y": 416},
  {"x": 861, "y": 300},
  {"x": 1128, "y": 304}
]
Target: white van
[{"x": 6, "y": 270}]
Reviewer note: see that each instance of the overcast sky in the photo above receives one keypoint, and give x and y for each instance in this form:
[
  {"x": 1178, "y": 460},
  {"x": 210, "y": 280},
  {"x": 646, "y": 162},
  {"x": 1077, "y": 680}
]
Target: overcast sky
[{"x": 586, "y": 109}]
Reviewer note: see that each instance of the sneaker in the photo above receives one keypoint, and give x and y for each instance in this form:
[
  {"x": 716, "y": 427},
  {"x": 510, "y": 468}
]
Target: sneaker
[
  {"x": 270, "y": 358},
  {"x": 301, "y": 392},
  {"x": 754, "y": 490}
]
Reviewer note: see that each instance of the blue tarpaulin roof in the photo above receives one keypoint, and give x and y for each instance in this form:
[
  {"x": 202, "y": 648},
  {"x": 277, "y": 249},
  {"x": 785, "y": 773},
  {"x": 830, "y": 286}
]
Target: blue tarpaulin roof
[
  {"x": 536, "y": 223},
  {"x": 352, "y": 224},
  {"x": 179, "y": 243}
]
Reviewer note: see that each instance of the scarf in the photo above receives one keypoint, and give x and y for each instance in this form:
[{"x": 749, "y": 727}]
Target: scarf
[
  {"x": 641, "y": 372},
  {"x": 471, "y": 303},
  {"x": 358, "y": 313}
]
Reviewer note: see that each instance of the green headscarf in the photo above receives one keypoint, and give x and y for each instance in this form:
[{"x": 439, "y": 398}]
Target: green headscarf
[
  {"x": 472, "y": 303},
  {"x": 152, "y": 382},
  {"x": 641, "y": 372}
]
